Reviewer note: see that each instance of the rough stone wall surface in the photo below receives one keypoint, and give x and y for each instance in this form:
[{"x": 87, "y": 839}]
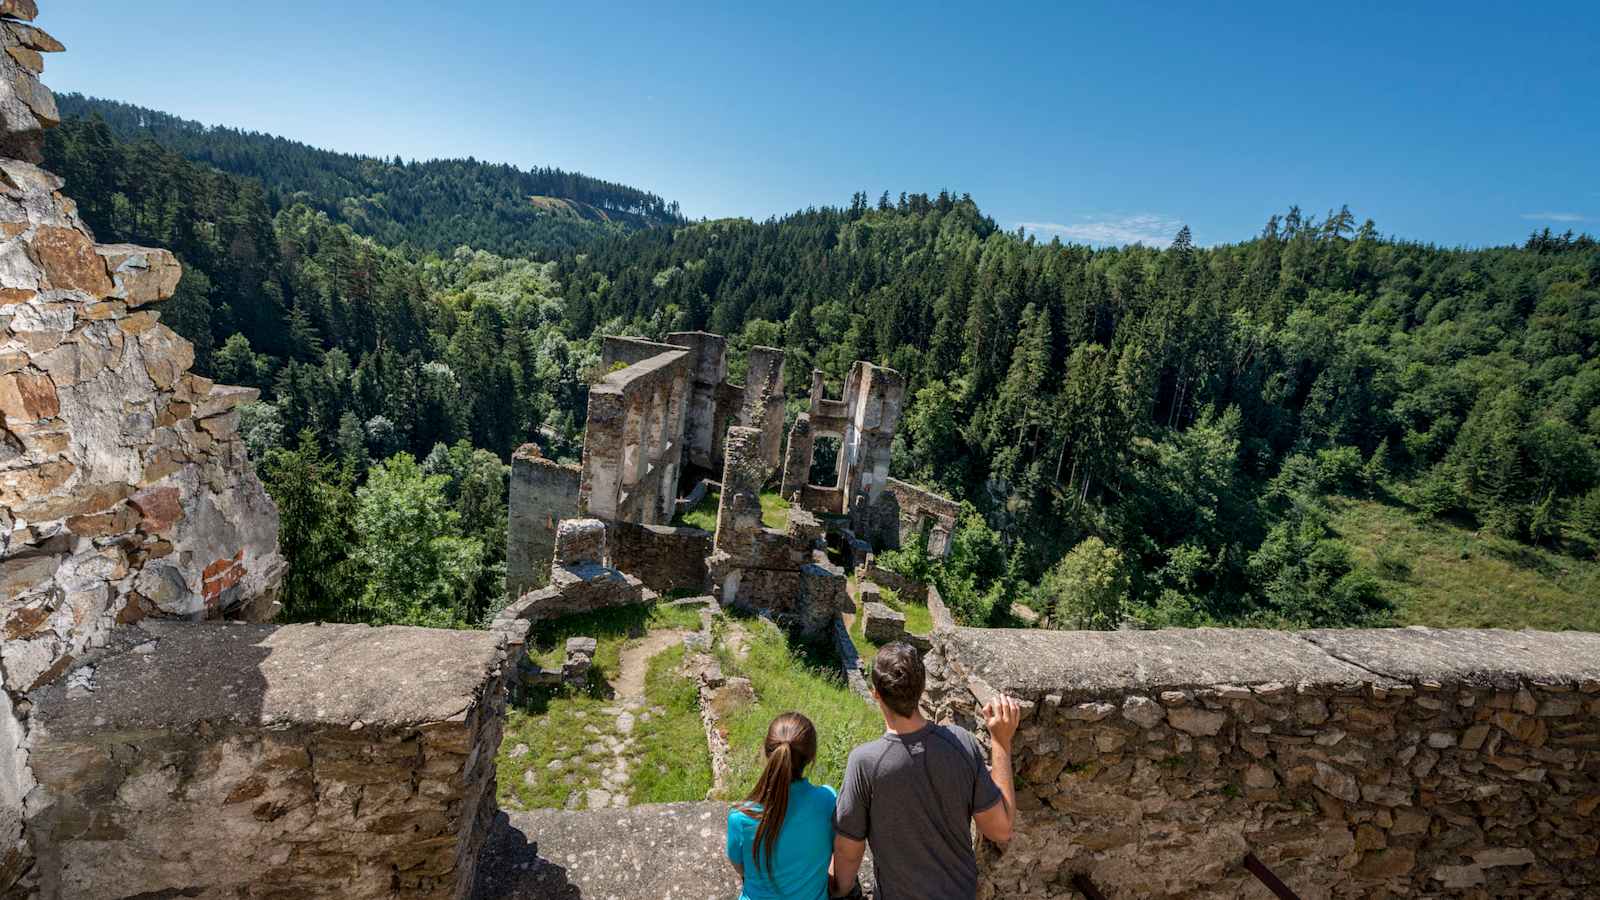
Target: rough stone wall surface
[
  {"x": 580, "y": 541},
  {"x": 262, "y": 761},
  {"x": 665, "y": 558},
  {"x": 902, "y": 513},
  {"x": 1353, "y": 763},
  {"x": 797, "y": 459},
  {"x": 763, "y": 569},
  {"x": 633, "y": 440},
  {"x": 543, "y": 492},
  {"x": 125, "y": 491},
  {"x": 763, "y": 403},
  {"x": 703, "y": 428},
  {"x": 580, "y": 581}
]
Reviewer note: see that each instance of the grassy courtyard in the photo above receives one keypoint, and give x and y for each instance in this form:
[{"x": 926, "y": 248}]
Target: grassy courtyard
[
  {"x": 774, "y": 511},
  {"x": 788, "y": 676},
  {"x": 633, "y": 734}
]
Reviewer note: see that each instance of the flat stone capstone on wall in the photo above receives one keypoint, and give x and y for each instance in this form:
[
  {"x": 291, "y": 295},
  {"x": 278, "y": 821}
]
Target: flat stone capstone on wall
[
  {"x": 1406, "y": 762},
  {"x": 263, "y": 761}
]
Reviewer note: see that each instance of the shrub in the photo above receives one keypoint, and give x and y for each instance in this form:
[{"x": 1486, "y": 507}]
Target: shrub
[{"x": 1089, "y": 587}]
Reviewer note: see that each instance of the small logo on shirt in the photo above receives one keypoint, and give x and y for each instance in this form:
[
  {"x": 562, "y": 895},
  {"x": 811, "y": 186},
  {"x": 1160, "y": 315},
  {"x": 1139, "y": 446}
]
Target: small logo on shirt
[{"x": 916, "y": 749}]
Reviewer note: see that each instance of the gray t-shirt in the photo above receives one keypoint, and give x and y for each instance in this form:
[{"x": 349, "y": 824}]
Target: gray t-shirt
[{"x": 912, "y": 798}]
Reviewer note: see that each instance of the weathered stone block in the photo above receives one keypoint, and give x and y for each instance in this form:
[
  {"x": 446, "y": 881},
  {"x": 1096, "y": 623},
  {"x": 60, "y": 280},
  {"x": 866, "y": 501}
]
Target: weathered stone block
[
  {"x": 298, "y": 746},
  {"x": 580, "y": 541},
  {"x": 882, "y": 624}
]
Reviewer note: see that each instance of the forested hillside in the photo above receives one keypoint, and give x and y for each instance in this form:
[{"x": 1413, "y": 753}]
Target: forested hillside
[
  {"x": 1172, "y": 417},
  {"x": 435, "y": 205},
  {"x": 1141, "y": 433}
]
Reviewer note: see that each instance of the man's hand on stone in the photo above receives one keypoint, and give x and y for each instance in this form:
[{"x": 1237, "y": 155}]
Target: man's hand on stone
[{"x": 1001, "y": 716}]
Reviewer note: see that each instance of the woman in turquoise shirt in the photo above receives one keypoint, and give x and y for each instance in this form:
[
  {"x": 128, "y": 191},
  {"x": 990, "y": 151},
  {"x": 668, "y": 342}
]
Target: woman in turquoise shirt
[{"x": 781, "y": 837}]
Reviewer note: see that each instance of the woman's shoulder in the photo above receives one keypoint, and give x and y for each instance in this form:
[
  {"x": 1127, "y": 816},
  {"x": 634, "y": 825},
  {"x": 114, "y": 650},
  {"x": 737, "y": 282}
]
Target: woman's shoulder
[
  {"x": 743, "y": 815},
  {"x": 822, "y": 794}
]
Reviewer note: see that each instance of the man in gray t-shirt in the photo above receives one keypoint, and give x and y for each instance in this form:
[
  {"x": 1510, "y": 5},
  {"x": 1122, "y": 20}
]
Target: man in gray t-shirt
[{"x": 913, "y": 793}]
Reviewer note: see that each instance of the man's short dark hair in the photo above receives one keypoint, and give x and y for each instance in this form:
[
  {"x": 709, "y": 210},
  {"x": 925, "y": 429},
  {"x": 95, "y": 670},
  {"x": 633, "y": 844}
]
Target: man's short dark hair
[{"x": 898, "y": 675}]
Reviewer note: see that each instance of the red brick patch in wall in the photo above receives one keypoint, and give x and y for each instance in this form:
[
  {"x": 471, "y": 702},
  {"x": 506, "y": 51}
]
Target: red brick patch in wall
[{"x": 221, "y": 575}]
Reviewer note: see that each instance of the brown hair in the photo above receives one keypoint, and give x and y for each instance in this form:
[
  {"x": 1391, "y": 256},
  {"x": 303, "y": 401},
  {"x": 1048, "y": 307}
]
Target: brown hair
[
  {"x": 791, "y": 745},
  {"x": 898, "y": 676}
]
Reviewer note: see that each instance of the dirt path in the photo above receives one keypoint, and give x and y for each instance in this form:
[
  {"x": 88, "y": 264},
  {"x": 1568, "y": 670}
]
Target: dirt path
[
  {"x": 628, "y": 709},
  {"x": 635, "y": 661}
]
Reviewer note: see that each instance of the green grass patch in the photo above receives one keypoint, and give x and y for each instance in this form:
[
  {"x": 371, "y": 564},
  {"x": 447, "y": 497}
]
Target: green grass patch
[
  {"x": 919, "y": 619},
  {"x": 702, "y": 515},
  {"x": 564, "y": 728},
  {"x": 559, "y": 726},
  {"x": 796, "y": 678},
  {"x": 774, "y": 510},
  {"x": 611, "y": 628},
  {"x": 674, "y": 763},
  {"x": 1445, "y": 576}
]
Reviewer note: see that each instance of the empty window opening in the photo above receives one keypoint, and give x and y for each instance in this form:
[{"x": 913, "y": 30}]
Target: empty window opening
[{"x": 824, "y": 462}]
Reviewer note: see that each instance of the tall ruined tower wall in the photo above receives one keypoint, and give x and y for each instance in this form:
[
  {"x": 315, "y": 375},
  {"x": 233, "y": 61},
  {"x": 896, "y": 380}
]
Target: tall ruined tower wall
[{"x": 125, "y": 491}]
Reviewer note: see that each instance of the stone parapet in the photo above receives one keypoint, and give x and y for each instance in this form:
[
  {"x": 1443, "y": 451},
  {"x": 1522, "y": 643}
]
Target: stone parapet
[
  {"x": 1407, "y": 762},
  {"x": 264, "y": 761}
]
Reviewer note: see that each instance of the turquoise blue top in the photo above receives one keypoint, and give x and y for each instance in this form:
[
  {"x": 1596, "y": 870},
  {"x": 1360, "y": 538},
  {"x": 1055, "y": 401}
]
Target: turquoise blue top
[{"x": 804, "y": 848}]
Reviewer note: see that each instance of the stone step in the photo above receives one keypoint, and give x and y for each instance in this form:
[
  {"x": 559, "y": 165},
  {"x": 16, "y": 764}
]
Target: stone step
[
  {"x": 671, "y": 850},
  {"x": 658, "y": 851}
]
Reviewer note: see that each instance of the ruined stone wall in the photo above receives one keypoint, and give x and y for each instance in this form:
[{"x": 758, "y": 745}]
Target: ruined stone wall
[
  {"x": 903, "y": 514},
  {"x": 125, "y": 492},
  {"x": 261, "y": 761},
  {"x": 1353, "y": 763},
  {"x": 543, "y": 492},
  {"x": 865, "y": 421},
  {"x": 665, "y": 558},
  {"x": 785, "y": 573},
  {"x": 580, "y": 581},
  {"x": 703, "y": 428},
  {"x": 763, "y": 404},
  {"x": 633, "y": 441}
]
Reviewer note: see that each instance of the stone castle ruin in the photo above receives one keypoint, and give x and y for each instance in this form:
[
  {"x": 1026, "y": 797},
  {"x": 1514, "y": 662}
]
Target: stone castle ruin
[
  {"x": 160, "y": 737},
  {"x": 664, "y": 419}
]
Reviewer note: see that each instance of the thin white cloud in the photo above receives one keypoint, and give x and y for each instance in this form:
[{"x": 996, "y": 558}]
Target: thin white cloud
[
  {"x": 1145, "y": 228},
  {"x": 1555, "y": 217}
]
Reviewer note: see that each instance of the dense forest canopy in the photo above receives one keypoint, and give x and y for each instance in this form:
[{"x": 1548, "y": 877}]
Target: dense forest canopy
[
  {"x": 436, "y": 205},
  {"x": 1147, "y": 434}
]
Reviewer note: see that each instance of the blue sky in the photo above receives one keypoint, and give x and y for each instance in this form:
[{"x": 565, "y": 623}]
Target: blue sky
[{"x": 1455, "y": 123}]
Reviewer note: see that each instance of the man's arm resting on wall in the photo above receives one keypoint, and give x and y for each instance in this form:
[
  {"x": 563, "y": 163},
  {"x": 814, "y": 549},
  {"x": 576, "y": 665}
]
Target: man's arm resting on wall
[
  {"x": 847, "y": 853},
  {"x": 1001, "y": 716}
]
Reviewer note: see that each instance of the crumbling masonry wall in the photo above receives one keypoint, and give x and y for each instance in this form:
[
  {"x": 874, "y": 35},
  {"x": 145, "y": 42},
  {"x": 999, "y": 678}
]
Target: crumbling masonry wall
[
  {"x": 785, "y": 573},
  {"x": 542, "y": 493},
  {"x": 633, "y": 442},
  {"x": 1407, "y": 762},
  {"x": 124, "y": 488},
  {"x": 186, "y": 757},
  {"x": 882, "y": 510},
  {"x": 905, "y": 515},
  {"x": 666, "y": 558},
  {"x": 260, "y": 761}
]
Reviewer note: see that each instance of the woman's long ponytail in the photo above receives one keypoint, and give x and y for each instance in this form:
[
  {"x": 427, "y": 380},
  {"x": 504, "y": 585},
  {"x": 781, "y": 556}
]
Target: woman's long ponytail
[{"x": 790, "y": 747}]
